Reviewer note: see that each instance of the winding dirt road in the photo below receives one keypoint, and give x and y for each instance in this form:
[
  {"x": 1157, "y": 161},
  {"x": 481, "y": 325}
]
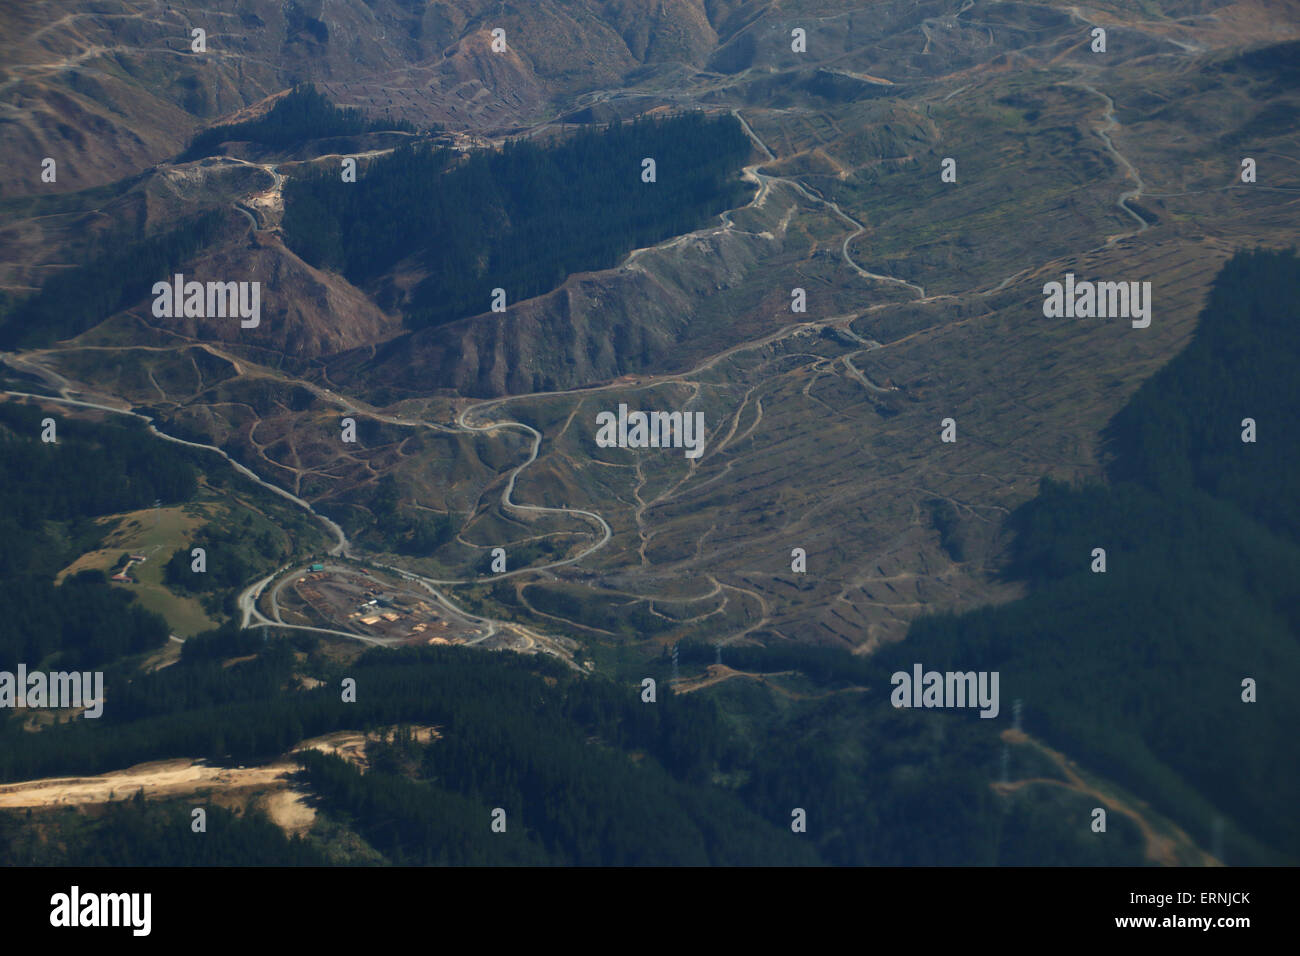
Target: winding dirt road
[{"x": 764, "y": 181}]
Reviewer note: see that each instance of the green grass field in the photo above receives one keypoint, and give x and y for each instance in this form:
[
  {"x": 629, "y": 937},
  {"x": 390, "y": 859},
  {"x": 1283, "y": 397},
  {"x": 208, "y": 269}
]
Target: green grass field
[{"x": 155, "y": 533}]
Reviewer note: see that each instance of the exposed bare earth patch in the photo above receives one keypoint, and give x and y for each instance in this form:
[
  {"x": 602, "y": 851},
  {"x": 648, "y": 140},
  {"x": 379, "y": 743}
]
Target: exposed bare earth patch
[{"x": 271, "y": 786}]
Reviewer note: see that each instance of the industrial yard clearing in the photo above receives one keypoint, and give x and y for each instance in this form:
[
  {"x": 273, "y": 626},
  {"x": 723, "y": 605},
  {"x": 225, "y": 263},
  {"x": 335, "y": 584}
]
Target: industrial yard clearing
[{"x": 367, "y": 604}]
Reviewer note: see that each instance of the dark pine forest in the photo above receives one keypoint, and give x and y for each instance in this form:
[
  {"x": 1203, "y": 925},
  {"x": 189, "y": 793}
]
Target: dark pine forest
[
  {"x": 521, "y": 218},
  {"x": 301, "y": 114}
]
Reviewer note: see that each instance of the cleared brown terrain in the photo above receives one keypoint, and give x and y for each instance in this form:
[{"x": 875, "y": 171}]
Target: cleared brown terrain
[{"x": 924, "y": 297}]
